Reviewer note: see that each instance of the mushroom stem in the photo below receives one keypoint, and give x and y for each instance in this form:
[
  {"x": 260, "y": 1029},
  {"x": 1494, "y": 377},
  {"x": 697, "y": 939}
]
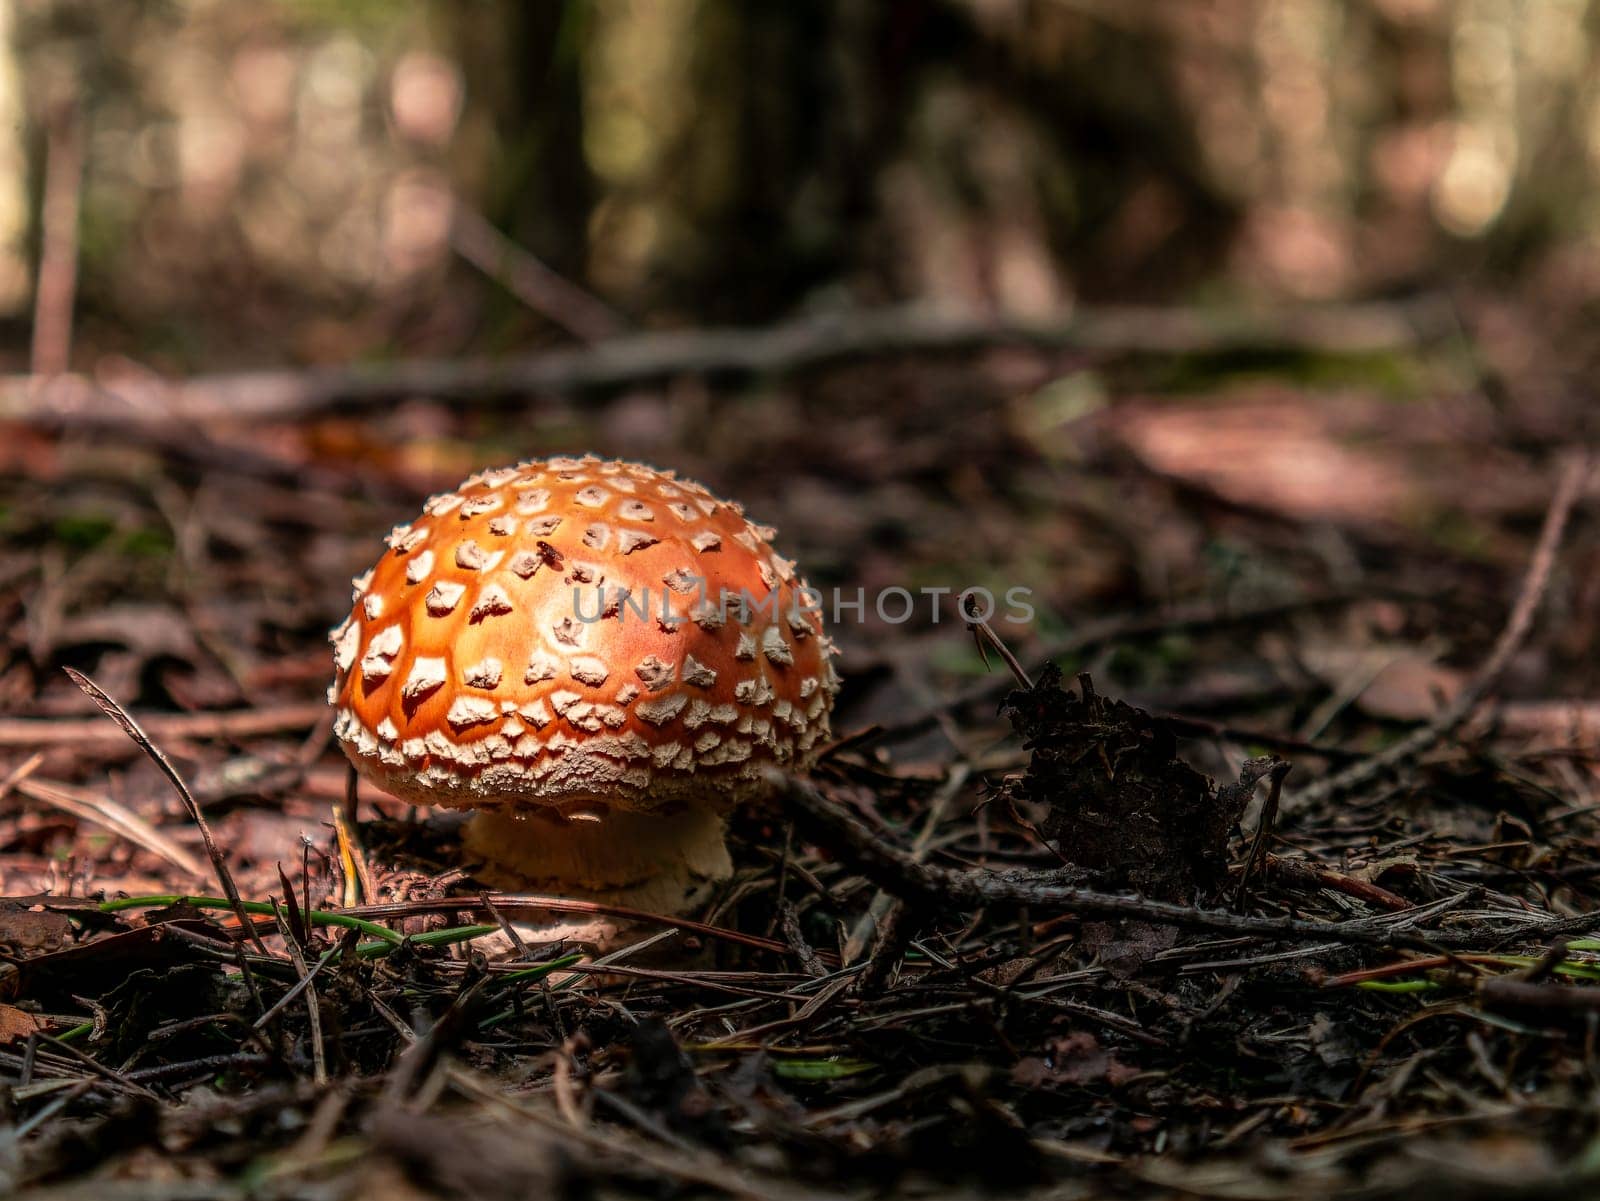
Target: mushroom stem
[{"x": 662, "y": 863}]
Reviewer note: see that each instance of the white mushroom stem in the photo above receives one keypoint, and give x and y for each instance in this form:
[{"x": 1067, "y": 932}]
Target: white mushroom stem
[{"x": 664, "y": 864}]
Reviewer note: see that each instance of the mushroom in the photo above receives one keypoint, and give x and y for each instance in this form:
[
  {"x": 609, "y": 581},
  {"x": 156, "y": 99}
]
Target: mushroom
[{"x": 601, "y": 659}]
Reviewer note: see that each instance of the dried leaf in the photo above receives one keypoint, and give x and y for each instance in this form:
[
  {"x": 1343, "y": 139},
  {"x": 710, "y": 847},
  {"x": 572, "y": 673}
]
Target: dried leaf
[
  {"x": 15, "y": 1025},
  {"x": 25, "y": 932},
  {"x": 1076, "y": 1059}
]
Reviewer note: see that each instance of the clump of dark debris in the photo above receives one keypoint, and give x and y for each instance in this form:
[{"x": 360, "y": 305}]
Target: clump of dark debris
[{"x": 1118, "y": 801}]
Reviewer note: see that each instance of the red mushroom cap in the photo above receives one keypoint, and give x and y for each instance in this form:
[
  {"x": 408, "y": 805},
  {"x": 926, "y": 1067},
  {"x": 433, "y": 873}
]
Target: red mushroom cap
[{"x": 566, "y": 632}]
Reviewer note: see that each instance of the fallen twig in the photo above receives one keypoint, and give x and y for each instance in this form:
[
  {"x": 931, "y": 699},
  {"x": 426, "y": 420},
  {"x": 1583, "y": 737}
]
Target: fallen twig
[
  {"x": 983, "y": 634},
  {"x": 1485, "y": 679},
  {"x": 31, "y": 732},
  {"x": 319, "y": 1062},
  {"x": 868, "y": 923},
  {"x": 896, "y": 871},
  {"x": 130, "y": 727},
  {"x": 1303, "y": 873},
  {"x": 1505, "y": 992},
  {"x": 1269, "y": 815},
  {"x": 809, "y": 343}
]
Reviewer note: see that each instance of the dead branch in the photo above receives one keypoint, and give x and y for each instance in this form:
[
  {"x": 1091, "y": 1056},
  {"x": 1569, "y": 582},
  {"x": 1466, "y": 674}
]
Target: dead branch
[
  {"x": 254, "y": 396},
  {"x": 28, "y": 733},
  {"x": 897, "y": 872},
  {"x": 1505, "y": 992}
]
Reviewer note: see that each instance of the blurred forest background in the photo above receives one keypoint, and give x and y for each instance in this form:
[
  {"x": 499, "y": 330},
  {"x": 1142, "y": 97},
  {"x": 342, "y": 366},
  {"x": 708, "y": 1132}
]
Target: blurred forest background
[{"x": 268, "y": 183}]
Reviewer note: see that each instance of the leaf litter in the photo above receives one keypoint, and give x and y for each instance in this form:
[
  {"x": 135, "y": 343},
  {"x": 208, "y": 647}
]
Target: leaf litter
[{"x": 1108, "y": 968}]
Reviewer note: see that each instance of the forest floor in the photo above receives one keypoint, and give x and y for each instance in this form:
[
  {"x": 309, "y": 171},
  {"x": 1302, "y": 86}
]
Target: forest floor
[{"x": 1005, "y": 939}]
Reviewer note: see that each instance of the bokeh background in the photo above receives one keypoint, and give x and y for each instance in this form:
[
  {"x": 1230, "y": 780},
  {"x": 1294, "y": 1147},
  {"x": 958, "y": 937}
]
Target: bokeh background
[{"x": 273, "y": 183}]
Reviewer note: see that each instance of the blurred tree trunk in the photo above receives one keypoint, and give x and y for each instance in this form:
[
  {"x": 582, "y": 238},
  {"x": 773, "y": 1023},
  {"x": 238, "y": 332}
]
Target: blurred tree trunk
[
  {"x": 524, "y": 76},
  {"x": 750, "y": 166},
  {"x": 14, "y": 282},
  {"x": 993, "y": 155}
]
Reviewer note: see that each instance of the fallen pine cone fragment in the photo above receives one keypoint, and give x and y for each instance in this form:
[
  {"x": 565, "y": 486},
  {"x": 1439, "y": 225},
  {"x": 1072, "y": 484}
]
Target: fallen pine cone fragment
[{"x": 1120, "y": 804}]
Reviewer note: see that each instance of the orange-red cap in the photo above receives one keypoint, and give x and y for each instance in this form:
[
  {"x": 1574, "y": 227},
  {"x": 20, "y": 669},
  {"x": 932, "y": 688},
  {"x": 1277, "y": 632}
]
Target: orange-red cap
[{"x": 577, "y": 631}]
